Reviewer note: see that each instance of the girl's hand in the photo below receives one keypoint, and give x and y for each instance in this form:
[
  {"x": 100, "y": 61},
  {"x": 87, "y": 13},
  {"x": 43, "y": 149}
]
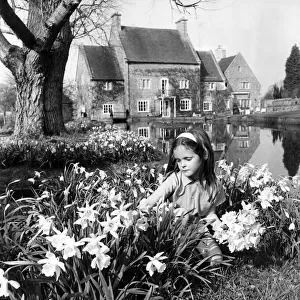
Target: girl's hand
[{"x": 144, "y": 204}]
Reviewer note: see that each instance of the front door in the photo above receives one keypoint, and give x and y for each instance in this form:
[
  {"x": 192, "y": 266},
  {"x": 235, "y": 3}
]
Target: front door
[{"x": 165, "y": 108}]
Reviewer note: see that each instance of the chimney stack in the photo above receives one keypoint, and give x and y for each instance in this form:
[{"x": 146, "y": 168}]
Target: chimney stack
[
  {"x": 220, "y": 53},
  {"x": 181, "y": 25},
  {"x": 116, "y": 21}
]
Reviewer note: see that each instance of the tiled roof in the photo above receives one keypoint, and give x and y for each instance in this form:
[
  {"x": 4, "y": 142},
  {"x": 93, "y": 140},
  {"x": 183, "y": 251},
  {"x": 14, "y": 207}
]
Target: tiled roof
[
  {"x": 209, "y": 67},
  {"x": 102, "y": 63},
  {"x": 151, "y": 45},
  {"x": 225, "y": 62}
]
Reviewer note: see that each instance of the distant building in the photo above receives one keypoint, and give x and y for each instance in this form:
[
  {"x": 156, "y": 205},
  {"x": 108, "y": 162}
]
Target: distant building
[
  {"x": 241, "y": 81},
  {"x": 213, "y": 84}
]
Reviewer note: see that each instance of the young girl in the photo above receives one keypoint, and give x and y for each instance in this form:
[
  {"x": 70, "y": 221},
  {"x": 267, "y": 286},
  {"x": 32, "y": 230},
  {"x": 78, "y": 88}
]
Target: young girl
[{"x": 191, "y": 183}]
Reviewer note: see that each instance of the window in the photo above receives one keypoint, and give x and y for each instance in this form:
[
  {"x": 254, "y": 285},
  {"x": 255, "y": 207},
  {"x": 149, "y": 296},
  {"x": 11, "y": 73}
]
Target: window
[
  {"x": 164, "y": 85},
  {"x": 185, "y": 104},
  {"x": 184, "y": 84},
  {"x": 144, "y": 131},
  {"x": 239, "y": 68},
  {"x": 144, "y": 84},
  {"x": 107, "y": 108},
  {"x": 107, "y": 86},
  {"x": 207, "y": 106},
  {"x": 143, "y": 106},
  {"x": 245, "y": 85},
  {"x": 244, "y": 103},
  {"x": 244, "y": 144},
  {"x": 211, "y": 86}
]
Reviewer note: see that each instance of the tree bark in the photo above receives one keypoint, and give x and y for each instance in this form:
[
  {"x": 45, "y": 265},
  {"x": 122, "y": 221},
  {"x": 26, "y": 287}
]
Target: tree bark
[{"x": 39, "y": 67}]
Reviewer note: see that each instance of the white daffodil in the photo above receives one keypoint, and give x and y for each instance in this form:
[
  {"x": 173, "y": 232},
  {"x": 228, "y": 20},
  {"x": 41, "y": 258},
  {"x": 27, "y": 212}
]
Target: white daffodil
[
  {"x": 87, "y": 215},
  {"x": 114, "y": 198},
  {"x": 59, "y": 239},
  {"x": 266, "y": 197},
  {"x": 45, "y": 224},
  {"x": 70, "y": 248},
  {"x": 51, "y": 265},
  {"x": 111, "y": 225},
  {"x": 292, "y": 226},
  {"x": 122, "y": 212},
  {"x": 4, "y": 291},
  {"x": 94, "y": 245},
  {"x": 155, "y": 265},
  {"x": 101, "y": 260}
]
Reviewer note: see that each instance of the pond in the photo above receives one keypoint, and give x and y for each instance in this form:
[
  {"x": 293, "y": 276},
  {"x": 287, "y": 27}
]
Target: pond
[{"x": 237, "y": 143}]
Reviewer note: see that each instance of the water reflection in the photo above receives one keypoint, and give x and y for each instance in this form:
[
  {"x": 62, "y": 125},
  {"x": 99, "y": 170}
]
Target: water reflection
[{"x": 237, "y": 143}]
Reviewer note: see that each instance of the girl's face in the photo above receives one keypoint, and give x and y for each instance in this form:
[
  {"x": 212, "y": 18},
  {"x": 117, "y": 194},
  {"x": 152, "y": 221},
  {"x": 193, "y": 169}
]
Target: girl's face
[{"x": 188, "y": 161}]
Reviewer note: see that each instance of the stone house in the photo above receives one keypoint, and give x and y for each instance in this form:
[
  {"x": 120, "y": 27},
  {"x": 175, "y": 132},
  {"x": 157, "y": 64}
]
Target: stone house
[
  {"x": 215, "y": 96},
  {"x": 100, "y": 83},
  {"x": 157, "y": 72},
  {"x": 240, "y": 80}
]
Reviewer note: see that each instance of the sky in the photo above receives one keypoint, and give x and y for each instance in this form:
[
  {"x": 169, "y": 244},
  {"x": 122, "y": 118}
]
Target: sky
[{"x": 263, "y": 31}]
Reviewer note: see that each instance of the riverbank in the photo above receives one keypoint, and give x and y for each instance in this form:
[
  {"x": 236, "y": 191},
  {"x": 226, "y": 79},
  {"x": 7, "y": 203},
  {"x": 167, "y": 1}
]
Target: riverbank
[{"x": 274, "y": 118}]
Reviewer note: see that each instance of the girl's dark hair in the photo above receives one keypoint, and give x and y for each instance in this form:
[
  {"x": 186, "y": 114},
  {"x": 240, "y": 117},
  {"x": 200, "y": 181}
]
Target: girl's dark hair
[{"x": 202, "y": 147}]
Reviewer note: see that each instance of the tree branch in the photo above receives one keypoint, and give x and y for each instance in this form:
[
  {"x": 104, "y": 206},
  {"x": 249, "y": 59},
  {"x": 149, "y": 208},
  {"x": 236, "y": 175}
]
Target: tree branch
[
  {"x": 16, "y": 25},
  {"x": 57, "y": 20}
]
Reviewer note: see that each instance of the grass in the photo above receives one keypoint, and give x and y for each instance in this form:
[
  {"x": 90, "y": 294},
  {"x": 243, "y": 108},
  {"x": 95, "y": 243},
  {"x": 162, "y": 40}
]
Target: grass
[{"x": 251, "y": 282}]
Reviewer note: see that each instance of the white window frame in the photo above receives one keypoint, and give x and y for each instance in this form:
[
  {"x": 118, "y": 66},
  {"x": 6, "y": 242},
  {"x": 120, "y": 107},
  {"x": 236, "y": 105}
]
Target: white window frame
[
  {"x": 144, "y": 131},
  {"x": 143, "y": 104},
  {"x": 108, "y": 108},
  {"x": 211, "y": 86},
  {"x": 164, "y": 86},
  {"x": 107, "y": 86},
  {"x": 187, "y": 105},
  {"x": 239, "y": 68},
  {"x": 209, "y": 103},
  {"x": 144, "y": 83},
  {"x": 184, "y": 84},
  {"x": 244, "y": 144},
  {"x": 245, "y": 85}
]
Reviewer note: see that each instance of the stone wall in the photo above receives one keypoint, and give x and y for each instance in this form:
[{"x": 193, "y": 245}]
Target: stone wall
[{"x": 284, "y": 104}]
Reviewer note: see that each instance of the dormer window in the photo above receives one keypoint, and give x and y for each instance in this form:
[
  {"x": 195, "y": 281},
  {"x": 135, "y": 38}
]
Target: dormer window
[
  {"x": 184, "y": 84},
  {"x": 245, "y": 85},
  {"x": 107, "y": 86}
]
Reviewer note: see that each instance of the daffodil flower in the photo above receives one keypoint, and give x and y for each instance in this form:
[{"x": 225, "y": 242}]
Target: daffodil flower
[
  {"x": 155, "y": 265},
  {"x": 94, "y": 245},
  {"x": 45, "y": 224},
  {"x": 70, "y": 248},
  {"x": 51, "y": 265},
  {"x": 111, "y": 225},
  {"x": 122, "y": 212},
  {"x": 87, "y": 215},
  {"x": 59, "y": 239},
  {"x": 4, "y": 284},
  {"x": 101, "y": 260}
]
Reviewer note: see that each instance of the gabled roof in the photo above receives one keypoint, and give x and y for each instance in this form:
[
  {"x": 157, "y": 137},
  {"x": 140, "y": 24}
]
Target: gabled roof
[
  {"x": 210, "y": 70},
  {"x": 151, "y": 45},
  {"x": 102, "y": 63},
  {"x": 224, "y": 63}
]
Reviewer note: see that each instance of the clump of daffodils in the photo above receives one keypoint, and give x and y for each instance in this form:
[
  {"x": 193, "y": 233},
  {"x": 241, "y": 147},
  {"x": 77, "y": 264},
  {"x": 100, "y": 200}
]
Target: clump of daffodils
[{"x": 240, "y": 230}]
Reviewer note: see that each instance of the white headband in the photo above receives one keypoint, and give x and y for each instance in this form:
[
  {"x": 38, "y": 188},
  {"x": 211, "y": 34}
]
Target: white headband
[{"x": 187, "y": 135}]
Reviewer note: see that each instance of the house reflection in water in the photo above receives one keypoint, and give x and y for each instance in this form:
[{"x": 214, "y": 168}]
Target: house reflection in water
[
  {"x": 245, "y": 140},
  {"x": 234, "y": 142},
  {"x": 162, "y": 134}
]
